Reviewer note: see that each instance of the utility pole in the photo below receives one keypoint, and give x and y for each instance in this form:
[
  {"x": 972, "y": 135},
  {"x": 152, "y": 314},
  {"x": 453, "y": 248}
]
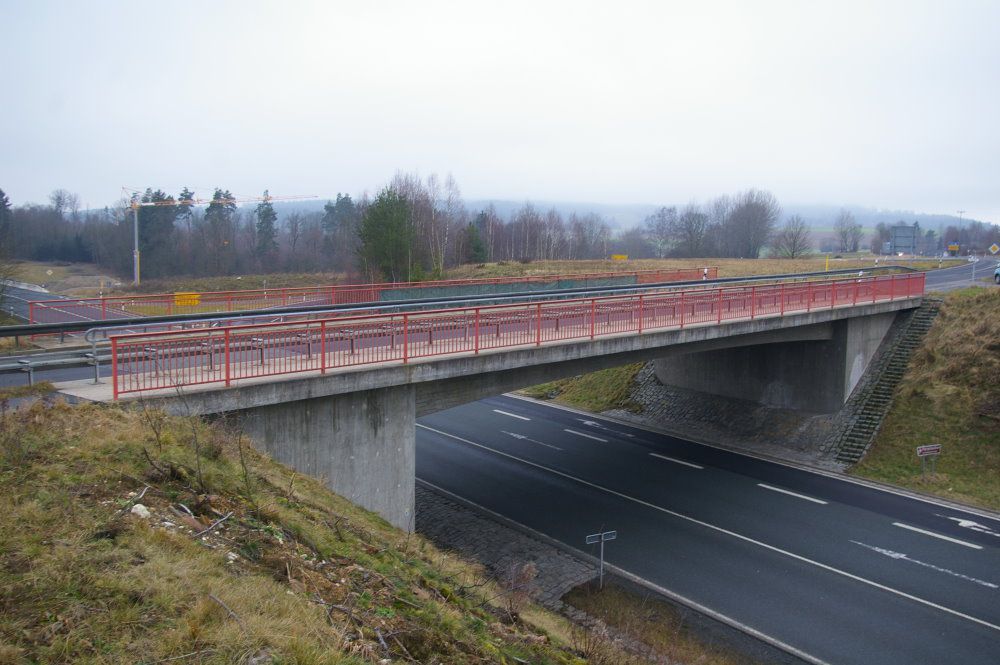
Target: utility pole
[{"x": 135, "y": 250}]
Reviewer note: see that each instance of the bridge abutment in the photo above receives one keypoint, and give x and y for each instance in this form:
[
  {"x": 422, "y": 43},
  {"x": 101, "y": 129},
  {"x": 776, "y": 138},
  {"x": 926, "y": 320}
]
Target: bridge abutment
[
  {"x": 360, "y": 444},
  {"x": 810, "y": 375}
]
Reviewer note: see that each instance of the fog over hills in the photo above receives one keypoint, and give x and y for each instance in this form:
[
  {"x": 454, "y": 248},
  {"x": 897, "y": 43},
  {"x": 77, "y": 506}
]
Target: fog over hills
[{"x": 623, "y": 216}]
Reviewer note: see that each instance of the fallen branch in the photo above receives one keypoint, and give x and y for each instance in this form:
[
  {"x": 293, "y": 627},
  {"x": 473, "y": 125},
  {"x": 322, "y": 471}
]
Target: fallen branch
[
  {"x": 213, "y": 525},
  {"x": 233, "y": 614},
  {"x": 134, "y": 500}
]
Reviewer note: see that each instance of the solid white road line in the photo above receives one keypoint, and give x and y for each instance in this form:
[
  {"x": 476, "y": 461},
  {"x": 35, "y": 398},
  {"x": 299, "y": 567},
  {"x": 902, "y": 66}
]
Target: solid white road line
[
  {"x": 589, "y": 436},
  {"x": 512, "y": 415},
  {"x": 621, "y": 572},
  {"x": 739, "y": 536},
  {"x": 789, "y": 493},
  {"x": 938, "y": 535},
  {"x": 677, "y": 461}
]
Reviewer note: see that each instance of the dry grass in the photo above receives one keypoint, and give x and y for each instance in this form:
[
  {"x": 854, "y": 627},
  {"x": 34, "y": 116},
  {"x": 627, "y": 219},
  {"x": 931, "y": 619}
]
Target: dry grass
[
  {"x": 727, "y": 267},
  {"x": 650, "y": 621},
  {"x": 949, "y": 395},
  {"x": 296, "y": 574},
  {"x": 595, "y": 392}
]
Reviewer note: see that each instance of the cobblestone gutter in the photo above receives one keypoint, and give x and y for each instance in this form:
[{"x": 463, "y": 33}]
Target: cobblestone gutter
[{"x": 498, "y": 547}]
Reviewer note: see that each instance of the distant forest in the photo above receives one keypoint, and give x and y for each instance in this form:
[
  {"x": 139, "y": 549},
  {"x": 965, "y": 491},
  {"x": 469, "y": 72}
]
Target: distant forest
[{"x": 415, "y": 228}]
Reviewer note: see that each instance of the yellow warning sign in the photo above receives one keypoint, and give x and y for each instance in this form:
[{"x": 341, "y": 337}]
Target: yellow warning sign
[{"x": 187, "y": 299}]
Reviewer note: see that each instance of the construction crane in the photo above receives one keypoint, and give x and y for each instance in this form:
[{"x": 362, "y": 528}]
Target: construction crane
[{"x": 136, "y": 203}]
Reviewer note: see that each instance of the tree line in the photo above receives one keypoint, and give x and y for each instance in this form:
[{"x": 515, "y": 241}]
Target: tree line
[{"x": 413, "y": 228}]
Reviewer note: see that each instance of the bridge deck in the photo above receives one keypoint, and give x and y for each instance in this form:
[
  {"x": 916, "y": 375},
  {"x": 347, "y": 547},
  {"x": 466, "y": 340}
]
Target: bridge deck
[{"x": 160, "y": 363}]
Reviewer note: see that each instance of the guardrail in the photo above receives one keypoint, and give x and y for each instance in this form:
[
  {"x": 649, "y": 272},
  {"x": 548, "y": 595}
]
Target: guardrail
[
  {"x": 168, "y": 304},
  {"x": 155, "y": 361}
]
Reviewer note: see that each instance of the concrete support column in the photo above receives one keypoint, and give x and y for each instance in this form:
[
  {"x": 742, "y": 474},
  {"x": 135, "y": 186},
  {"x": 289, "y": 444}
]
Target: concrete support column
[
  {"x": 810, "y": 375},
  {"x": 360, "y": 444}
]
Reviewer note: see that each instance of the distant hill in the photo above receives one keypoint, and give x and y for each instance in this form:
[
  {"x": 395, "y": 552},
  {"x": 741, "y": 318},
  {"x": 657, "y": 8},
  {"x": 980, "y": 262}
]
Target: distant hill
[{"x": 623, "y": 216}]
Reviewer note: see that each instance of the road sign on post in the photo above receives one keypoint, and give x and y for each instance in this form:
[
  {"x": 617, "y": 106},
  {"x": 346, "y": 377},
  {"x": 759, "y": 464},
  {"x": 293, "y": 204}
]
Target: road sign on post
[
  {"x": 601, "y": 538},
  {"x": 928, "y": 452},
  {"x": 994, "y": 248}
]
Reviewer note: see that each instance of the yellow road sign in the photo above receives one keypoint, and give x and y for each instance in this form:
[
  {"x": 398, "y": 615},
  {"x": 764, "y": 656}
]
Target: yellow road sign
[{"x": 187, "y": 299}]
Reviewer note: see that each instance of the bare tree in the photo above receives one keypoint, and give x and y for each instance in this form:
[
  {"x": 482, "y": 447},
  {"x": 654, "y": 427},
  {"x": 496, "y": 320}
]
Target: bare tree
[
  {"x": 660, "y": 227},
  {"x": 793, "y": 240},
  {"x": 848, "y": 231},
  {"x": 688, "y": 232},
  {"x": 750, "y": 223}
]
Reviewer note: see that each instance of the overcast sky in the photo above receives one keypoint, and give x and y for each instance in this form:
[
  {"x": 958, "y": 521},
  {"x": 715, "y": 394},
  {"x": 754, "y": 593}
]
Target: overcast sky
[{"x": 887, "y": 104}]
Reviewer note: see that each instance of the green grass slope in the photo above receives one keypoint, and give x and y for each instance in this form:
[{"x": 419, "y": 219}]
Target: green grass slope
[
  {"x": 232, "y": 558},
  {"x": 949, "y": 395}
]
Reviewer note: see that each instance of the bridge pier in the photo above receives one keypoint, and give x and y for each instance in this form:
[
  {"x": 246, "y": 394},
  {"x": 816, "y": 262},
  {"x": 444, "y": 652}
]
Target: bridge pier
[
  {"x": 360, "y": 444},
  {"x": 814, "y": 375}
]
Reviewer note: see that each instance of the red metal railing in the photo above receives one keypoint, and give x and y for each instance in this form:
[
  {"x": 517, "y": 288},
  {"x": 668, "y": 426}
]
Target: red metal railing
[
  {"x": 154, "y": 361},
  {"x": 120, "y": 307}
]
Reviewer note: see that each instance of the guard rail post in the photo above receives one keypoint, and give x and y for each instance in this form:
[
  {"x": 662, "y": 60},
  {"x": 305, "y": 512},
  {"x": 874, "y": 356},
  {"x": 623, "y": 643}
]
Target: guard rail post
[
  {"x": 753, "y": 302},
  {"x": 718, "y": 314},
  {"x": 892, "y": 287},
  {"x": 322, "y": 347},
  {"x": 682, "y": 309},
  {"x": 781, "y": 294},
  {"x": 114, "y": 368},
  {"x": 406, "y": 338},
  {"x": 477, "y": 331},
  {"x": 538, "y": 324},
  {"x": 593, "y": 316},
  {"x": 31, "y": 312},
  {"x": 228, "y": 371},
  {"x": 640, "y": 313}
]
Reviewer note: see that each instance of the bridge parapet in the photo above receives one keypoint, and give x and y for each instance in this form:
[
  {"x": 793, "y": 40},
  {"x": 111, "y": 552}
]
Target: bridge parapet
[{"x": 228, "y": 356}]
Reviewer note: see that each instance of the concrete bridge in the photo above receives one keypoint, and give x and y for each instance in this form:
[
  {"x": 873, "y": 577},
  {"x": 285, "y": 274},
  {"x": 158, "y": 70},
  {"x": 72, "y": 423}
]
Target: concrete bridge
[{"x": 338, "y": 398}]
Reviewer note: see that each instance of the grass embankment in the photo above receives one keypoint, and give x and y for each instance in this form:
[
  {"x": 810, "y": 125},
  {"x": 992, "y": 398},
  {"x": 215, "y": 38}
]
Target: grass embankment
[
  {"x": 949, "y": 395},
  {"x": 727, "y": 267},
  {"x": 651, "y": 621},
  {"x": 237, "y": 560},
  {"x": 72, "y": 279},
  {"x": 595, "y": 392}
]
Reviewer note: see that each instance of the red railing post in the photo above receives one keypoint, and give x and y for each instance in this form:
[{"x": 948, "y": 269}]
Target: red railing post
[
  {"x": 781, "y": 294},
  {"x": 682, "y": 309},
  {"x": 406, "y": 338},
  {"x": 640, "y": 313},
  {"x": 718, "y": 317},
  {"x": 593, "y": 316},
  {"x": 855, "y": 301},
  {"x": 753, "y": 301},
  {"x": 477, "y": 331},
  {"x": 104, "y": 309},
  {"x": 31, "y": 312},
  {"x": 114, "y": 367},
  {"x": 225, "y": 342},
  {"x": 229, "y": 302},
  {"x": 538, "y": 324},
  {"x": 809, "y": 296},
  {"x": 892, "y": 287},
  {"x": 322, "y": 347}
]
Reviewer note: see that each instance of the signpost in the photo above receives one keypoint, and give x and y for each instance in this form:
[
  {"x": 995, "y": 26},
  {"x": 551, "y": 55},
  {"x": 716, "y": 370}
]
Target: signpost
[
  {"x": 994, "y": 248},
  {"x": 930, "y": 451},
  {"x": 601, "y": 538}
]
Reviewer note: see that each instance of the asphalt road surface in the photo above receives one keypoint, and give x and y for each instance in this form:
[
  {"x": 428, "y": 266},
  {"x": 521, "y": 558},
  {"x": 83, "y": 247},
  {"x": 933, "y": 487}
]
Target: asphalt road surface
[
  {"x": 838, "y": 571},
  {"x": 960, "y": 276}
]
